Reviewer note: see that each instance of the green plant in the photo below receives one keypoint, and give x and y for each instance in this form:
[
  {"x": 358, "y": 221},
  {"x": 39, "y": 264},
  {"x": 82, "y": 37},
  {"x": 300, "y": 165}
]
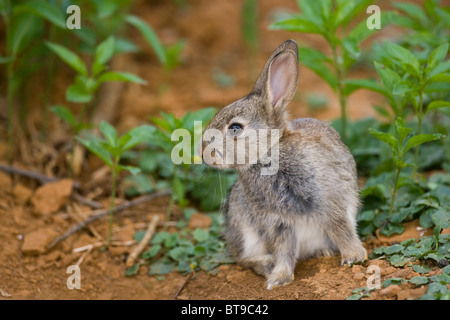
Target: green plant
[
  {"x": 110, "y": 152},
  {"x": 168, "y": 56},
  {"x": 329, "y": 19},
  {"x": 406, "y": 80},
  {"x": 432, "y": 251},
  {"x": 87, "y": 83},
  {"x": 428, "y": 26},
  {"x": 400, "y": 143},
  {"x": 184, "y": 251},
  {"x": 25, "y": 27}
]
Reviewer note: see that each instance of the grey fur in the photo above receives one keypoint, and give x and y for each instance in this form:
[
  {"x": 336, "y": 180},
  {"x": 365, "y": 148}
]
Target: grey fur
[{"x": 309, "y": 206}]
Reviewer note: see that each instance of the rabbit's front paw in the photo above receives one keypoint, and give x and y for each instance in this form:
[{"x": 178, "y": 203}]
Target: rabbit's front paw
[
  {"x": 359, "y": 254},
  {"x": 280, "y": 277}
]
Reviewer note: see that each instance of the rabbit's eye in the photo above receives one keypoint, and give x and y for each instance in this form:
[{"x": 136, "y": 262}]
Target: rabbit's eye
[{"x": 235, "y": 129}]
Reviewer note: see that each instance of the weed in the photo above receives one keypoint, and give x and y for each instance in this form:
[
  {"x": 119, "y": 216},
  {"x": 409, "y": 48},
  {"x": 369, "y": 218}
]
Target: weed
[
  {"x": 110, "y": 152},
  {"x": 86, "y": 84},
  {"x": 400, "y": 144},
  {"x": 186, "y": 250}
]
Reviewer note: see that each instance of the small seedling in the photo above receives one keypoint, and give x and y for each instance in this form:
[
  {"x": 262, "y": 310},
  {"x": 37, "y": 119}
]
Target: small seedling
[{"x": 110, "y": 152}]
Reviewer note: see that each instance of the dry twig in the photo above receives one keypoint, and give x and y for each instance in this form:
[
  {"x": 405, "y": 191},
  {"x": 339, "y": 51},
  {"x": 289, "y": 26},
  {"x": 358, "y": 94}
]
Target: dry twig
[
  {"x": 182, "y": 286},
  {"x": 147, "y": 236},
  {"x": 104, "y": 212},
  {"x": 43, "y": 179}
]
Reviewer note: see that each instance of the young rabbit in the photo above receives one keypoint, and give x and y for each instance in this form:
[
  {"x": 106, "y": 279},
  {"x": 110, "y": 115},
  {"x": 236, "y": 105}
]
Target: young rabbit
[{"x": 306, "y": 207}]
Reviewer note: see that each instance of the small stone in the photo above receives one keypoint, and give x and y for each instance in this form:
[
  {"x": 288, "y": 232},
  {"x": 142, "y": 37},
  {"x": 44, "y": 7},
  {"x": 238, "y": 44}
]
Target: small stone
[
  {"x": 359, "y": 276},
  {"x": 36, "y": 242},
  {"x": 51, "y": 197},
  {"x": 22, "y": 193},
  {"x": 390, "y": 291},
  {"x": 5, "y": 181},
  {"x": 443, "y": 263},
  {"x": 199, "y": 220},
  {"x": 357, "y": 269}
]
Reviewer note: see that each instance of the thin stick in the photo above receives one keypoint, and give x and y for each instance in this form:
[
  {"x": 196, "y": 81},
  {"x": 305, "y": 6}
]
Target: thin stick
[
  {"x": 81, "y": 259},
  {"x": 147, "y": 236},
  {"x": 83, "y": 200},
  {"x": 43, "y": 179},
  {"x": 182, "y": 286},
  {"x": 104, "y": 212}
]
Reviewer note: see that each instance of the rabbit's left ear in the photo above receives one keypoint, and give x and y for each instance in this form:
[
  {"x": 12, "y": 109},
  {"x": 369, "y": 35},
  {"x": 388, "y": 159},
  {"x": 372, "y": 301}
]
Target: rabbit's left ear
[{"x": 279, "y": 79}]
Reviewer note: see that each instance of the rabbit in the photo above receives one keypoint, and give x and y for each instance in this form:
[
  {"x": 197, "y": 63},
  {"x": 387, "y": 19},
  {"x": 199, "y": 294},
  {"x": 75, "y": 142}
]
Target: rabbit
[{"x": 308, "y": 207}]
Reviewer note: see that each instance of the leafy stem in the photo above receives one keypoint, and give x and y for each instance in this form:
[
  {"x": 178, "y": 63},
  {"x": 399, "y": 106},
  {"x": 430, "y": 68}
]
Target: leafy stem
[
  {"x": 340, "y": 89},
  {"x": 114, "y": 170}
]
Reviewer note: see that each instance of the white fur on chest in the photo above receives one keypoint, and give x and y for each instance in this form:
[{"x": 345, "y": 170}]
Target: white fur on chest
[{"x": 311, "y": 239}]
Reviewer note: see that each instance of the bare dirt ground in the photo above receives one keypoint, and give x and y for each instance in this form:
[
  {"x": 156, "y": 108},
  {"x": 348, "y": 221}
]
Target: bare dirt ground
[{"x": 32, "y": 216}]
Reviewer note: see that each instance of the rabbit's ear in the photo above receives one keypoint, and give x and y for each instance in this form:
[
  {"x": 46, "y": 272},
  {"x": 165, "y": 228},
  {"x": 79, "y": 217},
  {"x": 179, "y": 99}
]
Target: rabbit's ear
[{"x": 279, "y": 79}]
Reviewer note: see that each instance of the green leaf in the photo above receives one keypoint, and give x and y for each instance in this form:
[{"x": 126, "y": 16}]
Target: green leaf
[
  {"x": 178, "y": 253},
  {"x": 161, "y": 266},
  {"x": 109, "y": 132},
  {"x": 441, "y": 218},
  {"x": 65, "y": 114},
  {"x": 159, "y": 237},
  {"x": 446, "y": 270},
  {"x": 312, "y": 55},
  {"x": 394, "y": 249},
  {"x": 171, "y": 240},
  {"x": 421, "y": 269},
  {"x": 201, "y": 235},
  {"x": 420, "y": 139},
  {"x": 5, "y": 60},
  {"x": 441, "y": 278},
  {"x": 45, "y": 10},
  {"x": 361, "y": 32},
  {"x": 385, "y": 137},
  {"x": 137, "y": 135},
  {"x": 78, "y": 93},
  {"x": 355, "y": 84},
  {"x": 440, "y": 68},
  {"x": 296, "y": 24},
  {"x": 103, "y": 53},
  {"x": 323, "y": 71},
  {"x": 133, "y": 270},
  {"x": 436, "y": 57},
  {"x": 23, "y": 28},
  {"x": 204, "y": 115},
  {"x": 97, "y": 149},
  {"x": 131, "y": 169},
  {"x": 349, "y": 9},
  {"x": 179, "y": 189},
  {"x": 154, "y": 250},
  {"x": 418, "y": 281},
  {"x": 392, "y": 281},
  {"x": 120, "y": 76},
  {"x": 68, "y": 57},
  {"x": 412, "y": 10},
  {"x": 404, "y": 55},
  {"x": 437, "y": 105},
  {"x": 389, "y": 77},
  {"x": 150, "y": 36}
]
